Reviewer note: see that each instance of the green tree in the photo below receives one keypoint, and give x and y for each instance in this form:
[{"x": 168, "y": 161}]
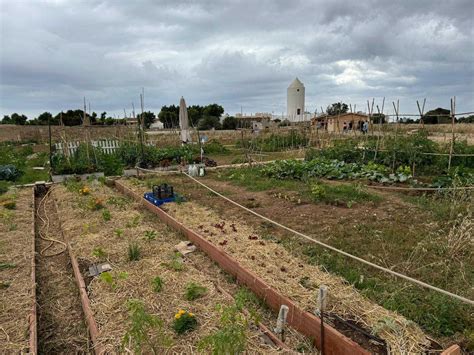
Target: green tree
[
  {"x": 214, "y": 110},
  {"x": 7, "y": 120},
  {"x": 71, "y": 117},
  {"x": 46, "y": 117},
  {"x": 148, "y": 118},
  {"x": 209, "y": 122},
  {"x": 18, "y": 119},
  {"x": 439, "y": 115},
  {"x": 169, "y": 116},
  {"x": 230, "y": 122},
  {"x": 337, "y": 108}
]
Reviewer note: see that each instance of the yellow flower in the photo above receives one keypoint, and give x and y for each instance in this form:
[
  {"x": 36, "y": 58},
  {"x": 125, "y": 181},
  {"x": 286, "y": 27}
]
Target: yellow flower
[
  {"x": 177, "y": 315},
  {"x": 191, "y": 314},
  {"x": 181, "y": 311}
]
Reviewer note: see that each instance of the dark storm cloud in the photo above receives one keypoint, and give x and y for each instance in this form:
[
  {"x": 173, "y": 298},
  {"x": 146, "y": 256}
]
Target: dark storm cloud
[{"x": 237, "y": 53}]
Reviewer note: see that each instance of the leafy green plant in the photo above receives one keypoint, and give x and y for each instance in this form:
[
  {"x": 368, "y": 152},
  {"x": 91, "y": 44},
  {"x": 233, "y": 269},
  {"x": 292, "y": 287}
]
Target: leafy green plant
[
  {"x": 150, "y": 235},
  {"x": 106, "y": 215},
  {"x": 145, "y": 331},
  {"x": 4, "y": 266},
  {"x": 231, "y": 338},
  {"x": 157, "y": 284},
  {"x": 98, "y": 252},
  {"x": 108, "y": 279},
  {"x": 176, "y": 263},
  {"x": 184, "y": 322},
  {"x": 194, "y": 291},
  {"x": 134, "y": 222},
  {"x": 134, "y": 252},
  {"x": 118, "y": 232}
]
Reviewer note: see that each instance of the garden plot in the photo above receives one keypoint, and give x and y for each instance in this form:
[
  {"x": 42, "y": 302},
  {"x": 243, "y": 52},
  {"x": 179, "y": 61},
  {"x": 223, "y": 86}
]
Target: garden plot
[
  {"x": 16, "y": 255},
  {"x": 292, "y": 276},
  {"x": 137, "y": 304}
]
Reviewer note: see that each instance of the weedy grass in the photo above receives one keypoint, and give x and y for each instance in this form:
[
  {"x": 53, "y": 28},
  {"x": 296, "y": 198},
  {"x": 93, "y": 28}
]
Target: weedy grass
[
  {"x": 134, "y": 252},
  {"x": 106, "y": 215},
  {"x": 157, "y": 284},
  {"x": 342, "y": 194},
  {"x": 194, "y": 291}
]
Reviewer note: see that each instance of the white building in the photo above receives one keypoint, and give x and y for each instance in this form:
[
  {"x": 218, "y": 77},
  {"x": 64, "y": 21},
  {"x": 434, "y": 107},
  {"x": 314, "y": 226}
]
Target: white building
[{"x": 295, "y": 101}]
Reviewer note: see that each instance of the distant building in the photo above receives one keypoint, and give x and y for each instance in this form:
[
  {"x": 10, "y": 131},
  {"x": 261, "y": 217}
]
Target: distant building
[
  {"x": 335, "y": 123},
  {"x": 295, "y": 95}
]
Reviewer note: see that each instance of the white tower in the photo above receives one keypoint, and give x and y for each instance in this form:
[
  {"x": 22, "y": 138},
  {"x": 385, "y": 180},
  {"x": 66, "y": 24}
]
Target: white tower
[{"x": 295, "y": 101}]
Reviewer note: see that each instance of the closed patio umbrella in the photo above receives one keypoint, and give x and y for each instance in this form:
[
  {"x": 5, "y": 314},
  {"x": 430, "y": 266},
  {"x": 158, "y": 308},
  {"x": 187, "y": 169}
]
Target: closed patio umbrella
[{"x": 183, "y": 122}]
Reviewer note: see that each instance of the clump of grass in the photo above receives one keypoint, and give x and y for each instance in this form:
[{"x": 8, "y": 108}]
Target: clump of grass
[
  {"x": 157, "y": 284},
  {"x": 194, "y": 291},
  {"x": 106, "y": 215},
  {"x": 4, "y": 266},
  {"x": 108, "y": 279},
  {"x": 134, "y": 252}
]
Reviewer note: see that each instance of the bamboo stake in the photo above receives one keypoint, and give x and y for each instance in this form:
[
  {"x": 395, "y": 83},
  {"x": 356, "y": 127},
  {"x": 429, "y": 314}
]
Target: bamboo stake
[{"x": 451, "y": 148}]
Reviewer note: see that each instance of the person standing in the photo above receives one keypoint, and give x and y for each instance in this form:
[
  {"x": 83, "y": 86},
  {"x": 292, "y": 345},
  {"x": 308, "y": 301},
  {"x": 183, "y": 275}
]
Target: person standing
[{"x": 365, "y": 127}]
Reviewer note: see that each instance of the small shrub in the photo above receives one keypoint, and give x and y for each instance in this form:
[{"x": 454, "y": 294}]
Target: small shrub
[
  {"x": 141, "y": 325},
  {"x": 157, "y": 284},
  {"x": 3, "y": 187},
  {"x": 106, "y": 215},
  {"x": 134, "y": 252},
  {"x": 231, "y": 338},
  {"x": 150, "y": 235},
  {"x": 184, "y": 322},
  {"x": 9, "y": 172},
  {"x": 194, "y": 291}
]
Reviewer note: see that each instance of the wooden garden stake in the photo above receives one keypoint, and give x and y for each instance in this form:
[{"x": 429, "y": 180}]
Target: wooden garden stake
[
  {"x": 281, "y": 321},
  {"x": 322, "y": 301},
  {"x": 453, "y": 109}
]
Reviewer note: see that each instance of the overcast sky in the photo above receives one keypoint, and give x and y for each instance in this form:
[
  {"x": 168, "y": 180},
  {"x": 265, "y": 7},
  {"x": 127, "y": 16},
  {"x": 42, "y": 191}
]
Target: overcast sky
[{"x": 235, "y": 53}]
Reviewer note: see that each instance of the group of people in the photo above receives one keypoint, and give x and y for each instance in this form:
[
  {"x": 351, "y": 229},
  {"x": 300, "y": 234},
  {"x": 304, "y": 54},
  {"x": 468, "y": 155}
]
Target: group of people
[{"x": 362, "y": 126}]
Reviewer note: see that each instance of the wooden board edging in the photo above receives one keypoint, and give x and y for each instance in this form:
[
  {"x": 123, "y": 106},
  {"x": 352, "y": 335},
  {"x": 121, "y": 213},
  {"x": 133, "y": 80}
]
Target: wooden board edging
[
  {"x": 85, "y": 302},
  {"x": 32, "y": 318}
]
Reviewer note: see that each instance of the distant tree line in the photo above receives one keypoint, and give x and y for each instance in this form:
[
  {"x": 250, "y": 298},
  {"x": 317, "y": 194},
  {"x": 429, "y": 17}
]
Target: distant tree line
[{"x": 73, "y": 118}]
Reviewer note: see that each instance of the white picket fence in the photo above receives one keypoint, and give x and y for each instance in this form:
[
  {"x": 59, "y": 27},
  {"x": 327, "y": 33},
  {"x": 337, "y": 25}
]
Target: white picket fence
[{"x": 107, "y": 146}]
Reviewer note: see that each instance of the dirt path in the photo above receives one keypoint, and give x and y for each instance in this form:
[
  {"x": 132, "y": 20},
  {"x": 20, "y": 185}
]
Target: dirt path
[{"x": 61, "y": 328}]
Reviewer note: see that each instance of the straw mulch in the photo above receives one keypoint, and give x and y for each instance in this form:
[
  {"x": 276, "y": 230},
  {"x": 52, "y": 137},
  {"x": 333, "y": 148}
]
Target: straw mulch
[
  {"x": 16, "y": 249},
  {"x": 132, "y": 280},
  {"x": 285, "y": 272}
]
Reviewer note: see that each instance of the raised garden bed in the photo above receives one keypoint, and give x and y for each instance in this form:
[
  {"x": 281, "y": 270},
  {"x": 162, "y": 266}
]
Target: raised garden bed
[{"x": 103, "y": 226}]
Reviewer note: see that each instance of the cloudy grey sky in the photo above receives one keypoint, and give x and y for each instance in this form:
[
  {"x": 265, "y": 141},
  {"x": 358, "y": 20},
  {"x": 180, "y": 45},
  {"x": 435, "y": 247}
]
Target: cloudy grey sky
[{"x": 235, "y": 53}]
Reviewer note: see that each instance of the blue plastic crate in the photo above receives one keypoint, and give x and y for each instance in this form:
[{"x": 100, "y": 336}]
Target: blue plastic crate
[{"x": 157, "y": 202}]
